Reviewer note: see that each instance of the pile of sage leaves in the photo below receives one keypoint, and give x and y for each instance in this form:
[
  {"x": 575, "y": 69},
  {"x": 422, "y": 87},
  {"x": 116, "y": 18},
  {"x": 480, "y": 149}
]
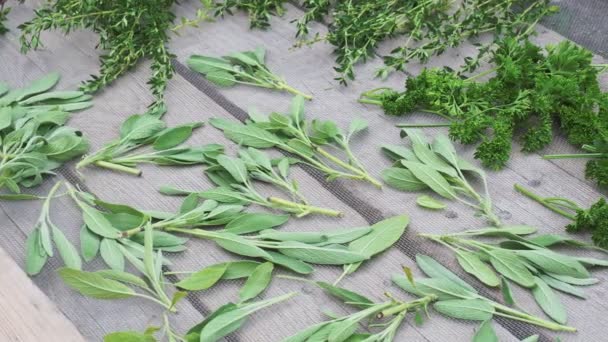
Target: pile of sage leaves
[
  {"x": 33, "y": 137},
  {"x": 308, "y": 141}
]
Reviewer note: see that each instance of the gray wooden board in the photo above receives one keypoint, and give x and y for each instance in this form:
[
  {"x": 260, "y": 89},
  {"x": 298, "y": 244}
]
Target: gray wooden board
[{"x": 190, "y": 98}]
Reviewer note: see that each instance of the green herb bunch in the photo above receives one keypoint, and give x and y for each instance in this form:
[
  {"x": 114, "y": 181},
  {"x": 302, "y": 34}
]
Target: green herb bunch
[
  {"x": 235, "y": 178},
  {"x": 247, "y": 67},
  {"x": 139, "y": 131},
  {"x": 116, "y": 231},
  {"x": 114, "y": 284},
  {"x": 431, "y": 27},
  {"x": 437, "y": 167},
  {"x": 259, "y": 11},
  {"x": 594, "y": 219},
  {"x": 530, "y": 92},
  {"x": 4, "y": 11},
  {"x": 128, "y": 32},
  {"x": 308, "y": 141},
  {"x": 597, "y": 167},
  {"x": 33, "y": 137},
  {"x": 528, "y": 261},
  {"x": 444, "y": 291}
]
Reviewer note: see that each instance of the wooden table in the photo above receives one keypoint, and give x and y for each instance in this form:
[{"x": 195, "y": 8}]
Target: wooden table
[{"x": 27, "y": 315}]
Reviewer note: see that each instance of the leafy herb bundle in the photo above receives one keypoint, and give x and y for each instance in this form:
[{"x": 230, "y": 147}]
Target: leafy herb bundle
[
  {"x": 530, "y": 92},
  {"x": 594, "y": 219},
  {"x": 128, "y": 32},
  {"x": 597, "y": 167},
  {"x": 529, "y": 262},
  {"x": 445, "y": 291},
  {"x": 4, "y": 11},
  {"x": 247, "y": 67},
  {"x": 33, "y": 138},
  {"x": 306, "y": 140},
  {"x": 235, "y": 178},
  {"x": 116, "y": 284},
  {"x": 437, "y": 167},
  {"x": 147, "y": 129},
  {"x": 115, "y": 231}
]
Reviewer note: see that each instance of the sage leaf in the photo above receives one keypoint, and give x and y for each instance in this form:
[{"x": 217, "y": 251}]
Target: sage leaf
[
  {"x": 485, "y": 333},
  {"x": 402, "y": 179},
  {"x": 257, "y": 282},
  {"x": 97, "y": 222},
  {"x": 433, "y": 269},
  {"x": 345, "y": 295},
  {"x": 548, "y": 301},
  {"x": 67, "y": 251},
  {"x": 238, "y": 245},
  {"x": 174, "y": 136},
  {"x": 250, "y": 136},
  {"x": 383, "y": 235},
  {"x": 293, "y": 264},
  {"x": 203, "y": 279},
  {"x": 533, "y": 338},
  {"x": 230, "y": 321},
  {"x": 94, "y": 285},
  {"x": 235, "y": 167},
  {"x": 431, "y": 178},
  {"x": 555, "y": 263},
  {"x": 123, "y": 277},
  {"x": 562, "y": 286},
  {"x": 444, "y": 289},
  {"x": 128, "y": 336},
  {"x": 511, "y": 267},
  {"x": 35, "y": 257},
  {"x": 111, "y": 254},
  {"x": 89, "y": 243},
  {"x": 305, "y": 334},
  {"x": 320, "y": 255},
  {"x": 429, "y": 202},
  {"x": 469, "y": 309},
  {"x": 507, "y": 292},
  {"x": 473, "y": 265},
  {"x": 239, "y": 269},
  {"x": 253, "y": 222}
]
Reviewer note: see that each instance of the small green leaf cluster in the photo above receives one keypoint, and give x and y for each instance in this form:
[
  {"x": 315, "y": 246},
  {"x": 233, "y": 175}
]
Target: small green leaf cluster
[
  {"x": 528, "y": 261},
  {"x": 148, "y": 129},
  {"x": 530, "y": 91},
  {"x": 247, "y": 67},
  {"x": 4, "y": 11},
  {"x": 234, "y": 178},
  {"x": 259, "y": 11},
  {"x": 307, "y": 141},
  {"x": 128, "y": 32},
  {"x": 33, "y": 137},
  {"x": 594, "y": 219},
  {"x": 436, "y": 166},
  {"x": 444, "y": 291}
]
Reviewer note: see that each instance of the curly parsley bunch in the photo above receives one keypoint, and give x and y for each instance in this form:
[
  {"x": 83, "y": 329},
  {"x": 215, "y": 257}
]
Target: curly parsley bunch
[
  {"x": 531, "y": 91},
  {"x": 128, "y": 30}
]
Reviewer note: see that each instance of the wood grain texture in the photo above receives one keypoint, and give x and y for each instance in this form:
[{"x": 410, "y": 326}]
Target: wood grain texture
[
  {"x": 309, "y": 69},
  {"x": 26, "y": 313}
]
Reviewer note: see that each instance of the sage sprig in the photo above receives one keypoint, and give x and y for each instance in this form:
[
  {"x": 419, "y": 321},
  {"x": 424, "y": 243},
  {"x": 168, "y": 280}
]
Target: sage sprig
[
  {"x": 309, "y": 141},
  {"x": 247, "y": 67},
  {"x": 437, "y": 167},
  {"x": 33, "y": 137},
  {"x": 527, "y": 261},
  {"x": 235, "y": 178},
  {"x": 142, "y": 130},
  {"x": 444, "y": 291}
]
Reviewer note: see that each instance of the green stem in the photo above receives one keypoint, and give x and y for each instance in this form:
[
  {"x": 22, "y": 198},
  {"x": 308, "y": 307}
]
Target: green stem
[
  {"x": 286, "y": 87},
  {"x": 543, "y": 202},
  {"x": 481, "y": 74},
  {"x": 118, "y": 167},
  {"x": 303, "y": 207},
  {"x": 422, "y": 125},
  {"x": 349, "y": 167},
  {"x": 370, "y": 101},
  {"x": 520, "y": 316},
  {"x": 572, "y": 156}
]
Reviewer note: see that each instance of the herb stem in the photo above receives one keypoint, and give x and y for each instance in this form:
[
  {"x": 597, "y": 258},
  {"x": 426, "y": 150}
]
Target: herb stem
[
  {"x": 286, "y": 87},
  {"x": 363, "y": 175},
  {"x": 303, "y": 208},
  {"x": 572, "y": 156},
  {"x": 508, "y": 312},
  {"x": 543, "y": 201},
  {"x": 118, "y": 167},
  {"x": 422, "y": 125}
]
